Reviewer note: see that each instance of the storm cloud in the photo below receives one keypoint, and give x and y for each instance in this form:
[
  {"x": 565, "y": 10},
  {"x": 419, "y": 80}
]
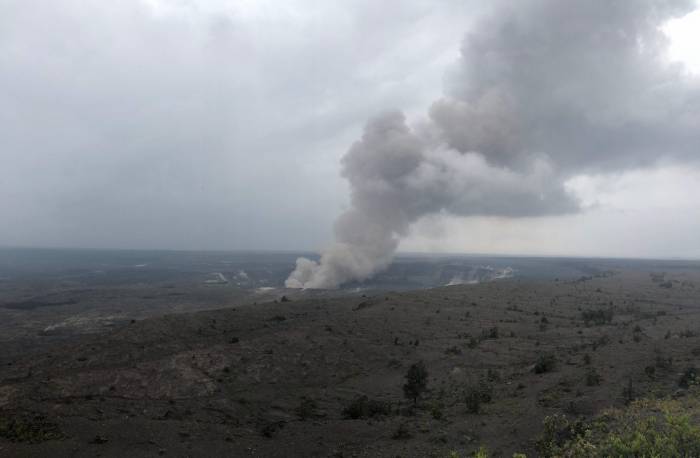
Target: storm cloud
[{"x": 544, "y": 91}]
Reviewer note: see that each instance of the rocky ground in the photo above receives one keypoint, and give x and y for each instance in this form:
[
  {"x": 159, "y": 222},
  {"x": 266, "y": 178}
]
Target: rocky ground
[{"x": 323, "y": 377}]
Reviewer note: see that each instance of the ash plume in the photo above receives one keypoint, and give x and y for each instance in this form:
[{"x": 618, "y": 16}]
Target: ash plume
[{"x": 544, "y": 90}]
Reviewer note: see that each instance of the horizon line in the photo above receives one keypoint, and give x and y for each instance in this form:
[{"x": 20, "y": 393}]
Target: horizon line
[{"x": 317, "y": 253}]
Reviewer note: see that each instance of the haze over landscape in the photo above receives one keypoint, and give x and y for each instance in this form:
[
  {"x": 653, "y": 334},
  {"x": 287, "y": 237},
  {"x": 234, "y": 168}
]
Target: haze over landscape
[{"x": 406, "y": 228}]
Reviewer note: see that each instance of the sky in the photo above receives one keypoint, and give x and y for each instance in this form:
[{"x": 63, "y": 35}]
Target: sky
[{"x": 176, "y": 124}]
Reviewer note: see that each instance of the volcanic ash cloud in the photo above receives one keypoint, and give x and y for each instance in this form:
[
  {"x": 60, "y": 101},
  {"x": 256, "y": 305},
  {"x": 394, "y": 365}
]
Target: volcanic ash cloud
[{"x": 546, "y": 90}]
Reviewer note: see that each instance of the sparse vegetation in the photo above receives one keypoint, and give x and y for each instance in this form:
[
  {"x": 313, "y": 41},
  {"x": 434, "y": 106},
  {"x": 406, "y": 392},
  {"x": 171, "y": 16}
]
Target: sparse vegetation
[
  {"x": 271, "y": 429},
  {"x": 477, "y": 394},
  {"x": 306, "y": 409},
  {"x": 402, "y": 432},
  {"x": 545, "y": 363},
  {"x": 558, "y": 432},
  {"x": 650, "y": 371},
  {"x": 689, "y": 378},
  {"x": 601, "y": 342},
  {"x": 628, "y": 392},
  {"x": 437, "y": 410},
  {"x": 593, "y": 378},
  {"x": 598, "y": 317},
  {"x": 476, "y": 384},
  {"x": 665, "y": 363},
  {"x": 26, "y": 429},
  {"x": 481, "y": 452},
  {"x": 364, "y": 407},
  {"x": 490, "y": 333},
  {"x": 472, "y": 398}
]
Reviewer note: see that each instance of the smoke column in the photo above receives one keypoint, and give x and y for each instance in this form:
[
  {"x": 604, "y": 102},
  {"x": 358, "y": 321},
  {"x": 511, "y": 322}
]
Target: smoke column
[{"x": 545, "y": 90}]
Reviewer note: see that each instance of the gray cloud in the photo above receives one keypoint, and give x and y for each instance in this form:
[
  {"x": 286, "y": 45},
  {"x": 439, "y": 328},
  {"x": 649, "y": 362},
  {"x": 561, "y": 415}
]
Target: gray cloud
[
  {"x": 196, "y": 124},
  {"x": 544, "y": 90}
]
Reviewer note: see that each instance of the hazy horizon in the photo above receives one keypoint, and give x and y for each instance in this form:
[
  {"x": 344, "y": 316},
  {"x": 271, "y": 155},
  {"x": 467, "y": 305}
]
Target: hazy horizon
[{"x": 316, "y": 253}]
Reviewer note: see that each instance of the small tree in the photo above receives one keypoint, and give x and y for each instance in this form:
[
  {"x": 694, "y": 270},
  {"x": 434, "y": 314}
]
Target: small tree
[
  {"x": 476, "y": 394},
  {"x": 416, "y": 381}
]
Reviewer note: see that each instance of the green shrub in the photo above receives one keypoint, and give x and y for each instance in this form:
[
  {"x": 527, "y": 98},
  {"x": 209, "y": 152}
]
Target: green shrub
[
  {"x": 558, "y": 431},
  {"x": 593, "y": 378},
  {"x": 473, "y": 401},
  {"x": 402, "y": 432},
  {"x": 363, "y": 407},
  {"x": 477, "y": 394},
  {"x": 545, "y": 363},
  {"x": 667, "y": 436},
  {"x": 628, "y": 392},
  {"x": 598, "y": 317},
  {"x": 490, "y": 333},
  {"x": 689, "y": 377},
  {"x": 650, "y": 371},
  {"x": 306, "y": 409},
  {"x": 663, "y": 363},
  {"x": 436, "y": 410}
]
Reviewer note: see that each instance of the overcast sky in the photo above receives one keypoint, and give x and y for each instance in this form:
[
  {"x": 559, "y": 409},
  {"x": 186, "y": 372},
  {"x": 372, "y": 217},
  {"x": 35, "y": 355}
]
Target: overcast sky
[{"x": 208, "y": 124}]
